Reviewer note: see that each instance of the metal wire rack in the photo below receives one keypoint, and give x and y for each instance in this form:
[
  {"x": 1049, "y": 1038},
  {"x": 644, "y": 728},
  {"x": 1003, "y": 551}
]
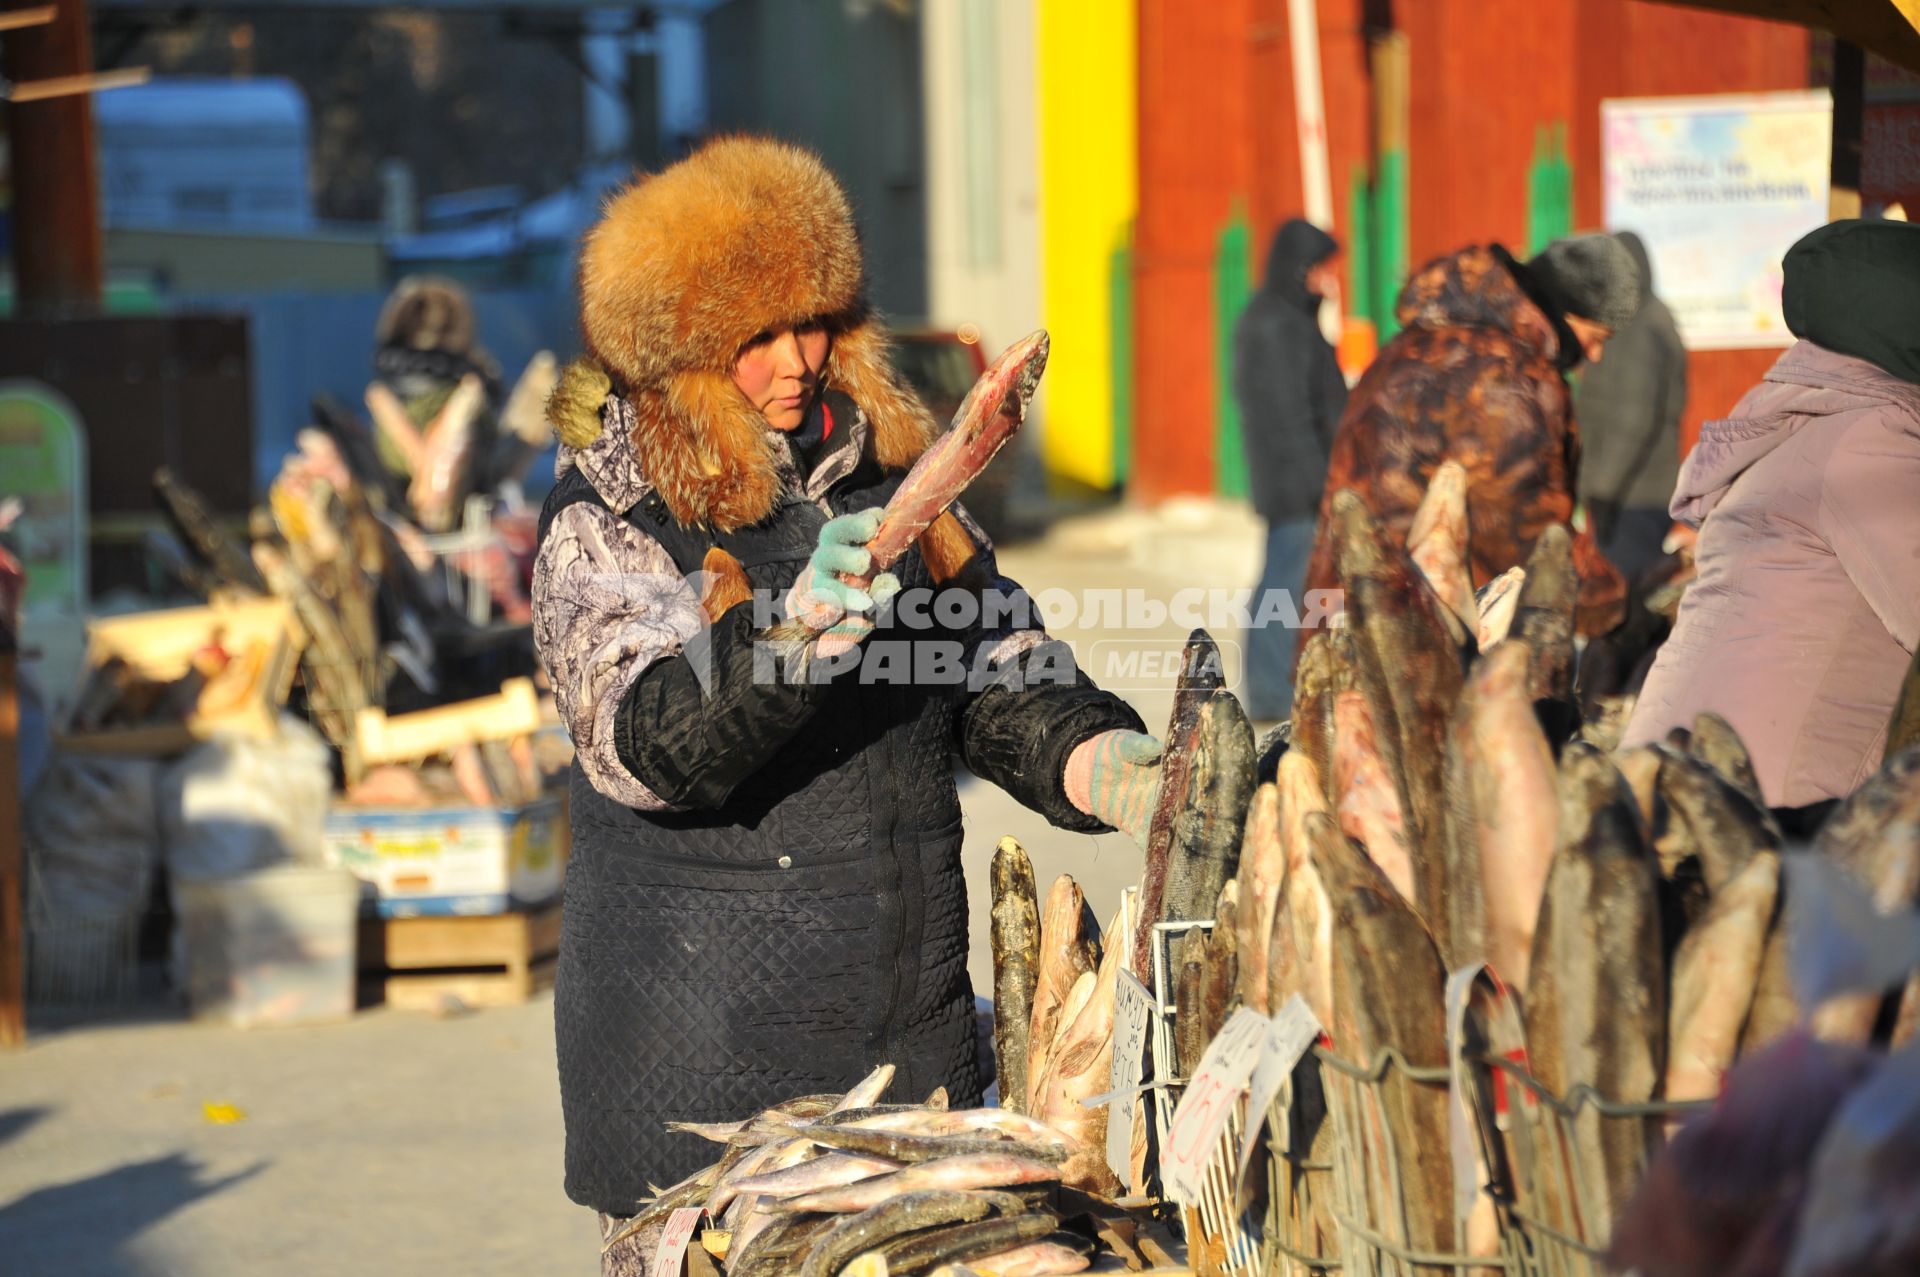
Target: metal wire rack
[
  {"x": 1299, "y": 1235},
  {"x": 1559, "y": 1217},
  {"x": 1370, "y": 1171},
  {"x": 1223, "y": 1239}
]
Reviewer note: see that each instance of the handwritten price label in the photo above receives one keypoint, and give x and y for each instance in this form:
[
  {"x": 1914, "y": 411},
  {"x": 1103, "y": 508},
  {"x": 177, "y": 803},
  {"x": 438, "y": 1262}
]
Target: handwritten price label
[
  {"x": 673, "y": 1241},
  {"x": 1289, "y": 1033},
  {"x": 1460, "y": 1137},
  {"x": 1208, "y": 1102},
  {"x": 1132, "y": 1016}
]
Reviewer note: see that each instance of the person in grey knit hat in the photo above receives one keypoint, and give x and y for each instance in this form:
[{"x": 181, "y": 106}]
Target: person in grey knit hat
[{"x": 1593, "y": 281}]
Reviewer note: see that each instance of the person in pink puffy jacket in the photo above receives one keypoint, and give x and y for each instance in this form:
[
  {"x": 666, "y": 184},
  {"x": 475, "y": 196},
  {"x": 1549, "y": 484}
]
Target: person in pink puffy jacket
[{"x": 1803, "y": 618}]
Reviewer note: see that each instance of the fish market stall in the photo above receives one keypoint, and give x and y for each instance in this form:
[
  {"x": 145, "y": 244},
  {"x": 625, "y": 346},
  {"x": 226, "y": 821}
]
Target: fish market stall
[{"x": 1435, "y": 979}]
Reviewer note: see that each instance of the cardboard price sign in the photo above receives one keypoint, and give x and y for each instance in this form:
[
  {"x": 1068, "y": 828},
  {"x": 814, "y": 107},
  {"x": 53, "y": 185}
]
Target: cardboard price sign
[
  {"x": 1132, "y": 1017},
  {"x": 1208, "y": 1103},
  {"x": 673, "y": 1241},
  {"x": 1289, "y": 1033}
]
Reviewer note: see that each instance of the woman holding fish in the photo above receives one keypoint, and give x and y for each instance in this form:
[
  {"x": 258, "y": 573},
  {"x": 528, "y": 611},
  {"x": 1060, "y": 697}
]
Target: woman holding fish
[{"x": 765, "y": 895}]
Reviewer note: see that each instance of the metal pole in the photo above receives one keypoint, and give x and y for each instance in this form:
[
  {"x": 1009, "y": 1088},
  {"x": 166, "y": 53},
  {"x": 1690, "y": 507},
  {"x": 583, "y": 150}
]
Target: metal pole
[
  {"x": 57, "y": 255},
  {"x": 1309, "y": 111}
]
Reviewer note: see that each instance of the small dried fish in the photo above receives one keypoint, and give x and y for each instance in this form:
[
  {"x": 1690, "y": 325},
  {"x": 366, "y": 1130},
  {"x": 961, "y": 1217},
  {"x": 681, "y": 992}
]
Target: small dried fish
[
  {"x": 1016, "y": 967},
  {"x": 975, "y": 1170},
  {"x": 903, "y": 1148},
  {"x": 879, "y": 1223},
  {"x": 966, "y": 1241}
]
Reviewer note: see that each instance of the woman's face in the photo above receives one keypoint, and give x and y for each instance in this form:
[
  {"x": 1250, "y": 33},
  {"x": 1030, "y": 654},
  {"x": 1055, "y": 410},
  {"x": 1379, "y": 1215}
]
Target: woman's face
[{"x": 779, "y": 370}]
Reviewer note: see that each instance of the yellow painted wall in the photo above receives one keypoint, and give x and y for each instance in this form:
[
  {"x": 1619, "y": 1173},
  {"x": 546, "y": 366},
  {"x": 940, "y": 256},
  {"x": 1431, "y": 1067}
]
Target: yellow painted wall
[{"x": 1087, "y": 78}]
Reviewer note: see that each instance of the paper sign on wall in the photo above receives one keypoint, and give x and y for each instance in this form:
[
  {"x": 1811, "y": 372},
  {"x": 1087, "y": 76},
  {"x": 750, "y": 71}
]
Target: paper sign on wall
[{"x": 1718, "y": 187}]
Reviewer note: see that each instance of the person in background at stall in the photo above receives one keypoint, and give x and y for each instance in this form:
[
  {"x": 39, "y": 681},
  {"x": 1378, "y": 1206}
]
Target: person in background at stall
[
  {"x": 1478, "y": 374},
  {"x": 425, "y": 343},
  {"x": 1290, "y": 392},
  {"x": 1801, "y": 621},
  {"x": 1629, "y": 407},
  {"x": 765, "y": 895}
]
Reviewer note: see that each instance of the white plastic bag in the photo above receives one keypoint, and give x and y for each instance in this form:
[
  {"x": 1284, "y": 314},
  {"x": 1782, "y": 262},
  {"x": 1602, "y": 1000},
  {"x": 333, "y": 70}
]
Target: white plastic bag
[
  {"x": 92, "y": 838},
  {"x": 240, "y": 803}
]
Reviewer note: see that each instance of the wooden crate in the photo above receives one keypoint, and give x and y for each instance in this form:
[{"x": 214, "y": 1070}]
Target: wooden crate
[
  {"x": 160, "y": 646},
  {"x": 490, "y": 961}
]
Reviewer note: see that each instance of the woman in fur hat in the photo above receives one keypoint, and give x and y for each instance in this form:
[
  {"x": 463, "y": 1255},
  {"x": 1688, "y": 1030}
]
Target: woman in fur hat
[{"x": 765, "y": 896}]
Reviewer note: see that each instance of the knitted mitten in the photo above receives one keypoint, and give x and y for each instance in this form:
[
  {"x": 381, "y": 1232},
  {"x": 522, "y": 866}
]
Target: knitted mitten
[{"x": 1114, "y": 777}]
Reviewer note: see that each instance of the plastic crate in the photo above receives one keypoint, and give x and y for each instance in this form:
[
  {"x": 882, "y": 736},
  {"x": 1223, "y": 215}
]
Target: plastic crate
[
  {"x": 273, "y": 947},
  {"x": 452, "y": 860}
]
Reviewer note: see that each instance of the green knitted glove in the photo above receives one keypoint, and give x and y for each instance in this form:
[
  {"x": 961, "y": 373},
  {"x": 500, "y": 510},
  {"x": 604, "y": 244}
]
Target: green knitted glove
[
  {"x": 1115, "y": 778},
  {"x": 842, "y": 552},
  {"x": 821, "y": 596}
]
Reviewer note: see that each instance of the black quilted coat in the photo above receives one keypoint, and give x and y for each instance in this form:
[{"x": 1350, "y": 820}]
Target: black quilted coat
[{"x": 798, "y": 916}]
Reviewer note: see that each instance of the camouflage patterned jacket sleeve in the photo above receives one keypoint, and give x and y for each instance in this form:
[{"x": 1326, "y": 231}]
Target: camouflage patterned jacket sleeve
[
  {"x": 666, "y": 711},
  {"x": 607, "y": 604}
]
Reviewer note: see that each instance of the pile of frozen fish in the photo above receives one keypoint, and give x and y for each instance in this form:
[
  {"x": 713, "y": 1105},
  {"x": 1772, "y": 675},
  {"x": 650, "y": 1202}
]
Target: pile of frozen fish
[
  {"x": 813, "y": 1184},
  {"x": 1434, "y": 805}
]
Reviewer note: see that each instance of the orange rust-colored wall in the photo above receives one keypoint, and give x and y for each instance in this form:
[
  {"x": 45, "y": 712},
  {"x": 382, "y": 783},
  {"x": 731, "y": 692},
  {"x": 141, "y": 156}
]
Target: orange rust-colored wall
[
  {"x": 1624, "y": 48},
  {"x": 1486, "y": 75},
  {"x": 1217, "y": 126},
  {"x": 1217, "y": 132},
  {"x": 1275, "y": 193},
  {"x": 1196, "y": 147}
]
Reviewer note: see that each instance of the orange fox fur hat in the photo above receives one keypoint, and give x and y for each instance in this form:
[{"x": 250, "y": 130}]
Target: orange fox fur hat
[{"x": 685, "y": 267}]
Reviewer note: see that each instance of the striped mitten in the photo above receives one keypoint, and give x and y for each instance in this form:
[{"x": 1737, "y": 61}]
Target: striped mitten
[{"x": 1114, "y": 777}]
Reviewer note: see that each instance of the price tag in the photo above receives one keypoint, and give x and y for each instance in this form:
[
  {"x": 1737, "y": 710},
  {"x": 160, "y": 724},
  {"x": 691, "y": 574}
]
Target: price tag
[
  {"x": 673, "y": 1240},
  {"x": 1132, "y": 1018},
  {"x": 1289, "y": 1033},
  {"x": 1460, "y": 1140},
  {"x": 1208, "y": 1103}
]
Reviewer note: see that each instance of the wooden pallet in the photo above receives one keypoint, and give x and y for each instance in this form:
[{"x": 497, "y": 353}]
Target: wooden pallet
[{"x": 493, "y": 961}]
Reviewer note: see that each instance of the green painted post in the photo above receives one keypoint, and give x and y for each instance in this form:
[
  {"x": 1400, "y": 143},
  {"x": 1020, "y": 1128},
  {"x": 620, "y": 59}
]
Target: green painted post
[
  {"x": 1359, "y": 246},
  {"x": 1390, "y": 234},
  {"x": 1232, "y": 287},
  {"x": 1549, "y": 189},
  {"x": 1120, "y": 367}
]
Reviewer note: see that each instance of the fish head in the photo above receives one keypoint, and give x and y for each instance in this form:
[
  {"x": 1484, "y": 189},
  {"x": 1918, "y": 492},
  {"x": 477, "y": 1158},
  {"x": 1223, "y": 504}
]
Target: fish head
[
  {"x": 1550, "y": 580},
  {"x": 1002, "y": 393},
  {"x": 1356, "y": 537}
]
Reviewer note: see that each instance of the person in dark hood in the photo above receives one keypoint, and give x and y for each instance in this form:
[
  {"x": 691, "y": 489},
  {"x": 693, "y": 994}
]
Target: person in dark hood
[
  {"x": 1629, "y": 407},
  {"x": 1477, "y": 375},
  {"x": 1803, "y": 617},
  {"x": 1290, "y": 393}
]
